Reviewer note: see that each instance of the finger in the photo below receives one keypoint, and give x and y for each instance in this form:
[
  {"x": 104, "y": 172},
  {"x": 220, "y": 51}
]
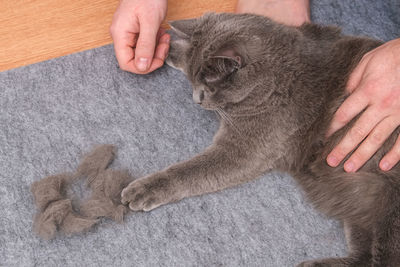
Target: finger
[
  {"x": 350, "y": 108},
  {"x": 145, "y": 45},
  {"x": 123, "y": 46},
  {"x": 160, "y": 33},
  {"x": 371, "y": 144},
  {"x": 354, "y": 136},
  {"x": 392, "y": 157},
  {"x": 160, "y": 53},
  {"x": 162, "y": 47},
  {"x": 357, "y": 74},
  {"x": 159, "y": 56}
]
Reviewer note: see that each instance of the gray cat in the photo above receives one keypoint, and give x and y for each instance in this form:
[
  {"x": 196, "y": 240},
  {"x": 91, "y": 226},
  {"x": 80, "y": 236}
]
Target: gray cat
[{"x": 276, "y": 89}]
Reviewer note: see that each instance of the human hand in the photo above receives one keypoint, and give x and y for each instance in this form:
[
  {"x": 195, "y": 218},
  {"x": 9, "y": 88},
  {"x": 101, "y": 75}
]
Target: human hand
[
  {"x": 141, "y": 46},
  {"x": 374, "y": 86}
]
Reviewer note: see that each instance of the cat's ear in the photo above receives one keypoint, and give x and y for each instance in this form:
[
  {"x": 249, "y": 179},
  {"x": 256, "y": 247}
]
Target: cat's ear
[
  {"x": 221, "y": 65},
  {"x": 185, "y": 27}
]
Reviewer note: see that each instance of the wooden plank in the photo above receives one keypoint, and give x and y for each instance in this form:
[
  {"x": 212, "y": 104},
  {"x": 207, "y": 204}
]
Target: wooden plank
[{"x": 36, "y": 30}]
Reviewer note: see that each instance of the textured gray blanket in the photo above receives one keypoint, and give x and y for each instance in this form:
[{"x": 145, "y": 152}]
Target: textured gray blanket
[{"x": 53, "y": 112}]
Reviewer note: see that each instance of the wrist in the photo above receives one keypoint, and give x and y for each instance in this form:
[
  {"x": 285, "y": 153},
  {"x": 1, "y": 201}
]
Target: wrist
[{"x": 290, "y": 12}]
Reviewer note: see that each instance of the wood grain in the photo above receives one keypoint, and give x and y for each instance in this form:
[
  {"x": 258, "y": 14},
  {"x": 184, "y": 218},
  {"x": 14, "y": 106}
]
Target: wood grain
[{"x": 36, "y": 30}]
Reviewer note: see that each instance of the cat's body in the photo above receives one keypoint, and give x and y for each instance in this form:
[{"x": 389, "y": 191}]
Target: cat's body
[{"x": 276, "y": 89}]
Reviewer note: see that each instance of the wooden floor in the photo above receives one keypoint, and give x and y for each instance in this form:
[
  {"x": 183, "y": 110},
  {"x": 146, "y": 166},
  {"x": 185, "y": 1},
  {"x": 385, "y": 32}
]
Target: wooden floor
[{"x": 37, "y": 30}]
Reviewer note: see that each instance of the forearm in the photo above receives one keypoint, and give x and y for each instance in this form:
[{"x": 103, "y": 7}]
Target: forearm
[
  {"x": 290, "y": 12},
  {"x": 215, "y": 169}
]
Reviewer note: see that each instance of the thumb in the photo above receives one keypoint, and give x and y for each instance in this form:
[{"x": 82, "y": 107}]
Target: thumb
[{"x": 145, "y": 45}]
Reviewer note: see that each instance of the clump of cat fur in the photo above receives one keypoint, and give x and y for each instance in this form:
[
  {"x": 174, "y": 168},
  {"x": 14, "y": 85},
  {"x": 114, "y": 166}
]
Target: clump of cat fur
[{"x": 56, "y": 212}]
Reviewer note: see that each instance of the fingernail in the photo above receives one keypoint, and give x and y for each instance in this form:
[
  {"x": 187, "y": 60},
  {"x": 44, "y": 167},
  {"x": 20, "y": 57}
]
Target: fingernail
[
  {"x": 349, "y": 166},
  {"x": 167, "y": 39},
  {"x": 385, "y": 166},
  {"x": 142, "y": 64},
  {"x": 332, "y": 161}
]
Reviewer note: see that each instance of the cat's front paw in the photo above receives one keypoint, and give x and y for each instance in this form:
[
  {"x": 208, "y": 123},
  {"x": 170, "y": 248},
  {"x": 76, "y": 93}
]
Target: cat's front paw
[{"x": 147, "y": 193}]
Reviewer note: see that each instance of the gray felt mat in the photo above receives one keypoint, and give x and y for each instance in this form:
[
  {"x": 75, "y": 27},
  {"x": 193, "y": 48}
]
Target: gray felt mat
[{"x": 53, "y": 112}]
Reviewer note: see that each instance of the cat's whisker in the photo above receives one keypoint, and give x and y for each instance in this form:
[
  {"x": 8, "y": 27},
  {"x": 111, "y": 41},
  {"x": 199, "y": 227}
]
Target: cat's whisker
[
  {"x": 228, "y": 119},
  {"x": 220, "y": 114},
  {"x": 216, "y": 112}
]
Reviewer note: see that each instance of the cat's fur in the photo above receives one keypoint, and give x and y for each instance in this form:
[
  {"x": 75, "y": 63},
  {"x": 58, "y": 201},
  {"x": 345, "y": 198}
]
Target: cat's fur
[{"x": 276, "y": 89}]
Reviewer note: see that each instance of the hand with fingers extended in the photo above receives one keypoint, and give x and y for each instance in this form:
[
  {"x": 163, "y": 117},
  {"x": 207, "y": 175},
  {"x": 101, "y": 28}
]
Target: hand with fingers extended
[
  {"x": 141, "y": 46},
  {"x": 374, "y": 86}
]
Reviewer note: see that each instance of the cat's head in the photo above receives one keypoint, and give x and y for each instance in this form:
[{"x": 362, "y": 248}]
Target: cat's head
[{"x": 222, "y": 55}]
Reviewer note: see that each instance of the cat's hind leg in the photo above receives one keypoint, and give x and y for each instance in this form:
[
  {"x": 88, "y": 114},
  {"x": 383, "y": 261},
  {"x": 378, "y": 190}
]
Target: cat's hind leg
[
  {"x": 386, "y": 242},
  {"x": 359, "y": 242}
]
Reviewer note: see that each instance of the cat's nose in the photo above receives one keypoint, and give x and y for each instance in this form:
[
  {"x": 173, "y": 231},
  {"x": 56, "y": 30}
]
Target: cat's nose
[{"x": 198, "y": 96}]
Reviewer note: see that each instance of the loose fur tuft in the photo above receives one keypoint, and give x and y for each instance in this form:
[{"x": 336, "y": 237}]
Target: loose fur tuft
[
  {"x": 49, "y": 189},
  {"x": 106, "y": 195},
  {"x": 56, "y": 212},
  {"x": 96, "y": 162}
]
